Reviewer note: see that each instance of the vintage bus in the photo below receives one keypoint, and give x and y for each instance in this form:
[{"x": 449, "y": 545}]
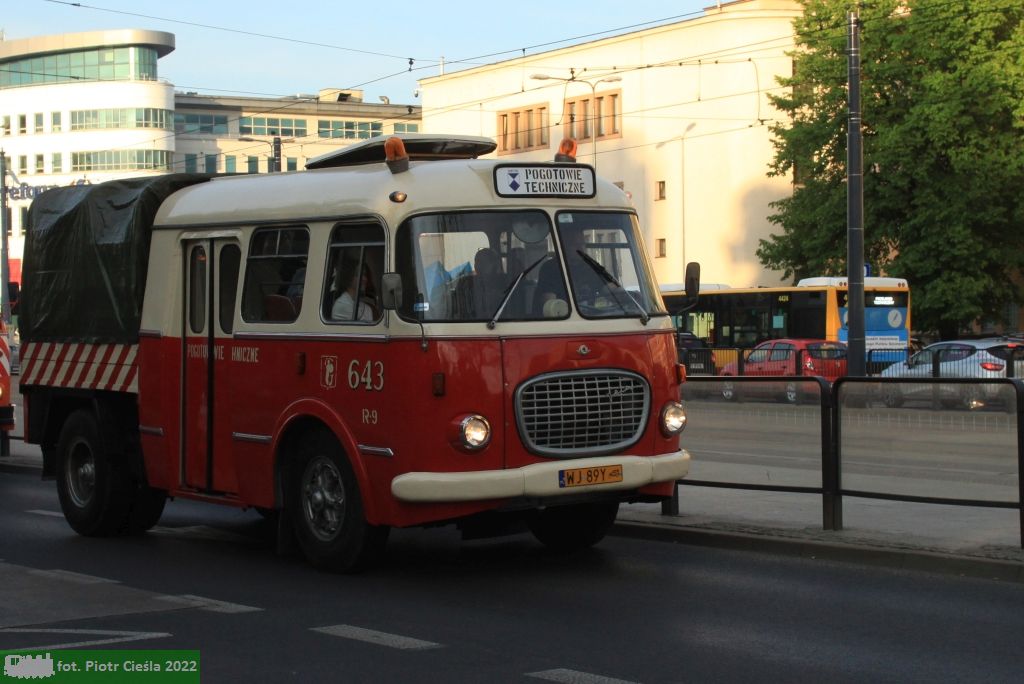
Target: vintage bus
[
  {"x": 814, "y": 308},
  {"x": 401, "y": 335}
]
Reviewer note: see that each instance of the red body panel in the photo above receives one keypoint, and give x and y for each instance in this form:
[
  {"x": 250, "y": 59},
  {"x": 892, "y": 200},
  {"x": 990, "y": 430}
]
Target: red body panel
[{"x": 375, "y": 394}]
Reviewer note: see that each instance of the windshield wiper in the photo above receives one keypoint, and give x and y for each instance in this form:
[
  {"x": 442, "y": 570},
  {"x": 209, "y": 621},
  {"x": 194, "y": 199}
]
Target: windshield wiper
[
  {"x": 508, "y": 292},
  {"x": 603, "y": 272}
]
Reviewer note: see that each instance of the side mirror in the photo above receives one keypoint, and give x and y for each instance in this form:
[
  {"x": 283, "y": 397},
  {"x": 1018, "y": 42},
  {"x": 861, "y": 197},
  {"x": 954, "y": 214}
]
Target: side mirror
[
  {"x": 391, "y": 291},
  {"x": 692, "y": 280}
]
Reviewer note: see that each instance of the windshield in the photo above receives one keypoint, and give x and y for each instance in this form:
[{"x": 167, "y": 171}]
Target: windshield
[{"x": 499, "y": 266}]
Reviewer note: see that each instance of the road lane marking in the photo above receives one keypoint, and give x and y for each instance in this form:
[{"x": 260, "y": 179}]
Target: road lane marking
[
  {"x": 115, "y": 637},
  {"x": 575, "y": 677},
  {"x": 52, "y": 514},
  {"x": 76, "y": 577},
  {"x": 374, "y": 637},
  {"x": 208, "y": 604}
]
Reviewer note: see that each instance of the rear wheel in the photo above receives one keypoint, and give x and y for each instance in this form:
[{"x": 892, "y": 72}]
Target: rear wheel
[
  {"x": 93, "y": 491},
  {"x": 326, "y": 509},
  {"x": 578, "y": 526}
]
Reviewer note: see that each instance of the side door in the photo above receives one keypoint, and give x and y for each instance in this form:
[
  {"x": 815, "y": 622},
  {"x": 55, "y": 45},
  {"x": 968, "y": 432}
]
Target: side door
[
  {"x": 211, "y": 283},
  {"x": 757, "y": 360},
  {"x": 782, "y": 360}
]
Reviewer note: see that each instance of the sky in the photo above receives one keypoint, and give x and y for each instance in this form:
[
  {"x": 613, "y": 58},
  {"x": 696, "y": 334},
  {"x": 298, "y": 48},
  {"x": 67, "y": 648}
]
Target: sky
[{"x": 274, "y": 49}]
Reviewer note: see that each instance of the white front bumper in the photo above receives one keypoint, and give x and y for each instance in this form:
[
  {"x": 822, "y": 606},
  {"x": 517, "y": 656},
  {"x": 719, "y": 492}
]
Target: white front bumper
[{"x": 538, "y": 479}]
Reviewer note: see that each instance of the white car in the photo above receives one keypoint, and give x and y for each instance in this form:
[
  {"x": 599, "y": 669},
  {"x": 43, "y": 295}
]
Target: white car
[{"x": 985, "y": 358}]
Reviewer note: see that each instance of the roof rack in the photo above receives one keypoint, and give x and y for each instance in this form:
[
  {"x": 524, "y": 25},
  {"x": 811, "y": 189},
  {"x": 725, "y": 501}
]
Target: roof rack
[{"x": 419, "y": 147}]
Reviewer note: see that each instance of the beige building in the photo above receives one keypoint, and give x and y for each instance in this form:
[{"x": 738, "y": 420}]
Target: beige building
[{"x": 681, "y": 116}]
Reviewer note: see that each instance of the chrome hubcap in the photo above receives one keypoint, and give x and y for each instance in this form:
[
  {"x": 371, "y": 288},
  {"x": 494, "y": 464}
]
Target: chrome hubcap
[
  {"x": 81, "y": 475},
  {"x": 323, "y": 498}
]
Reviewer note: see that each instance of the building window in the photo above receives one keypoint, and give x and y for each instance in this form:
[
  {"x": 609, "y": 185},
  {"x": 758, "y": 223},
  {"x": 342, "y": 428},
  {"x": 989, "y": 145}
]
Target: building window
[
  {"x": 22, "y": 124},
  {"x": 253, "y": 164},
  {"x": 6, "y": 126},
  {"x": 107, "y": 64},
  {"x": 589, "y": 113},
  {"x": 191, "y": 166},
  {"x": 212, "y": 124},
  {"x": 22, "y": 164},
  {"x": 88, "y": 119},
  {"x": 262, "y": 125},
  {"x": 407, "y": 128},
  {"x": 57, "y": 163},
  {"x": 230, "y": 164},
  {"x": 121, "y": 160},
  {"x": 55, "y": 122},
  {"x": 520, "y": 130},
  {"x": 659, "y": 191},
  {"x": 292, "y": 163},
  {"x": 660, "y": 247},
  {"x": 352, "y": 130},
  {"x": 210, "y": 163},
  {"x": 37, "y": 123},
  {"x": 39, "y": 164}
]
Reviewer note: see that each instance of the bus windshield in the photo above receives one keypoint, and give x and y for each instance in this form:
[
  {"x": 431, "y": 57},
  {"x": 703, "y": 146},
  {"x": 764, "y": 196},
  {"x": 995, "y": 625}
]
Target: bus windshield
[{"x": 482, "y": 266}]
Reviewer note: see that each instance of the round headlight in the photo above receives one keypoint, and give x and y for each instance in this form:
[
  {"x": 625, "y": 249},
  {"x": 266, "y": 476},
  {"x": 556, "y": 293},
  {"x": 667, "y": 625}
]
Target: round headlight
[
  {"x": 673, "y": 418},
  {"x": 475, "y": 432}
]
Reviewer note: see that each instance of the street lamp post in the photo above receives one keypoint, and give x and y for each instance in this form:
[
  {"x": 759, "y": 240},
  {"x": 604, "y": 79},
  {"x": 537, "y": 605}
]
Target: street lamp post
[
  {"x": 5, "y": 273},
  {"x": 593, "y": 98},
  {"x": 275, "y": 149}
]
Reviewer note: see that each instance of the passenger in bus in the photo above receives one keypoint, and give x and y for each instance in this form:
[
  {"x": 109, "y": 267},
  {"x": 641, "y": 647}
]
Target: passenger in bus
[
  {"x": 551, "y": 285},
  {"x": 478, "y": 294},
  {"x": 354, "y": 282}
]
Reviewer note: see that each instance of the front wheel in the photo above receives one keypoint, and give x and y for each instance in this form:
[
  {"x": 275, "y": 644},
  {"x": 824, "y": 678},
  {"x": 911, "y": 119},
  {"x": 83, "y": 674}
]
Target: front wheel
[
  {"x": 326, "y": 509},
  {"x": 573, "y": 527}
]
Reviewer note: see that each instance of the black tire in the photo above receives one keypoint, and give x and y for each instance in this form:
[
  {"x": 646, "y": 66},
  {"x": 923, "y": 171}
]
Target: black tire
[
  {"x": 94, "y": 494},
  {"x": 146, "y": 508},
  {"x": 326, "y": 508},
  {"x": 578, "y": 526}
]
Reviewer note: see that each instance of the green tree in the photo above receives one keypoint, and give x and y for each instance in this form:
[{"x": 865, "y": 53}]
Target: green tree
[{"x": 942, "y": 92}]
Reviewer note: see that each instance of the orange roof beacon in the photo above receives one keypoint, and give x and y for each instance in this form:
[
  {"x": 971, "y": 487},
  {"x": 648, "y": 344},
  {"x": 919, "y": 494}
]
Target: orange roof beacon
[{"x": 327, "y": 345}]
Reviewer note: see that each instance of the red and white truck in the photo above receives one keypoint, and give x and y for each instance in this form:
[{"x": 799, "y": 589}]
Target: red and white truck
[{"x": 370, "y": 343}]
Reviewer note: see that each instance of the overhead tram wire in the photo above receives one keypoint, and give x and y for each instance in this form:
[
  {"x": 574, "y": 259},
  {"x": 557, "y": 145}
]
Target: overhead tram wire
[{"x": 684, "y": 61}]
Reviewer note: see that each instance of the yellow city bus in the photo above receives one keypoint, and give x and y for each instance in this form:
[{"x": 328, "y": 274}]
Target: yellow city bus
[{"x": 814, "y": 308}]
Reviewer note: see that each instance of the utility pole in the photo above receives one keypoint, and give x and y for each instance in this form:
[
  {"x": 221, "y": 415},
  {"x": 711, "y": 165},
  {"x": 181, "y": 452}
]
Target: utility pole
[
  {"x": 856, "y": 344},
  {"x": 5, "y": 223}
]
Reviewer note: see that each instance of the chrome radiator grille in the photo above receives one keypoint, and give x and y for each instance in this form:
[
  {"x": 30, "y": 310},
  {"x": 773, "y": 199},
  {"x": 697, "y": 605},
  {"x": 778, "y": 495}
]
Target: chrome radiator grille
[{"x": 585, "y": 413}]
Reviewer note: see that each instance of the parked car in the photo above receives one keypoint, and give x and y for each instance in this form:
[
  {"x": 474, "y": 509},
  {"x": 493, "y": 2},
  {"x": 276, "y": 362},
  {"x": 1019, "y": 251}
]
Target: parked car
[
  {"x": 787, "y": 357},
  {"x": 984, "y": 358},
  {"x": 696, "y": 354}
]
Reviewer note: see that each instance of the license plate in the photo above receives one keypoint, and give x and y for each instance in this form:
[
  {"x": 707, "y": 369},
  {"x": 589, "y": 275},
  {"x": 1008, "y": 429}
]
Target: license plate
[{"x": 582, "y": 477}]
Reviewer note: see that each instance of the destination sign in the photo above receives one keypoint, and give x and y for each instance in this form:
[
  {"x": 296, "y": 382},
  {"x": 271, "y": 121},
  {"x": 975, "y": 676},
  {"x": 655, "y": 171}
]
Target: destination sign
[{"x": 544, "y": 180}]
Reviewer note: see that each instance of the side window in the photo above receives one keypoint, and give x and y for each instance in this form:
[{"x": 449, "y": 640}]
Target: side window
[
  {"x": 275, "y": 275},
  {"x": 782, "y": 352},
  {"x": 230, "y": 260},
  {"x": 197, "y": 289},
  {"x": 355, "y": 262}
]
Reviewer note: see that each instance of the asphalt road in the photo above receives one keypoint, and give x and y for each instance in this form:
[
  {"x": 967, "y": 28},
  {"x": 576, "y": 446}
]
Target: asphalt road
[{"x": 502, "y": 610}]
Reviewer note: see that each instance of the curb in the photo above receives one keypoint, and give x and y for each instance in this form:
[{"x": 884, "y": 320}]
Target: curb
[{"x": 864, "y": 554}]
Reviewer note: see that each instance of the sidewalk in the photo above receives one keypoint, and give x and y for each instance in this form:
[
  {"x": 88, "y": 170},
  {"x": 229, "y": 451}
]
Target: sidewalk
[{"x": 960, "y": 540}]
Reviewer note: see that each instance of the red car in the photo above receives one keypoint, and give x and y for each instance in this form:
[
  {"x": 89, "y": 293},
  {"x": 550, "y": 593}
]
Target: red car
[{"x": 787, "y": 357}]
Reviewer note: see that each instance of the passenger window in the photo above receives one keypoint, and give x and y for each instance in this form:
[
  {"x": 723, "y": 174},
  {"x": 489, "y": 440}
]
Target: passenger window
[
  {"x": 275, "y": 275},
  {"x": 355, "y": 262},
  {"x": 230, "y": 258},
  {"x": 197, "y": 290}
]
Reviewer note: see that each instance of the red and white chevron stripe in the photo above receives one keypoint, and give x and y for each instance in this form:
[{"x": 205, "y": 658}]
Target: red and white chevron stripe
[{"x": 110, "y": 367}]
